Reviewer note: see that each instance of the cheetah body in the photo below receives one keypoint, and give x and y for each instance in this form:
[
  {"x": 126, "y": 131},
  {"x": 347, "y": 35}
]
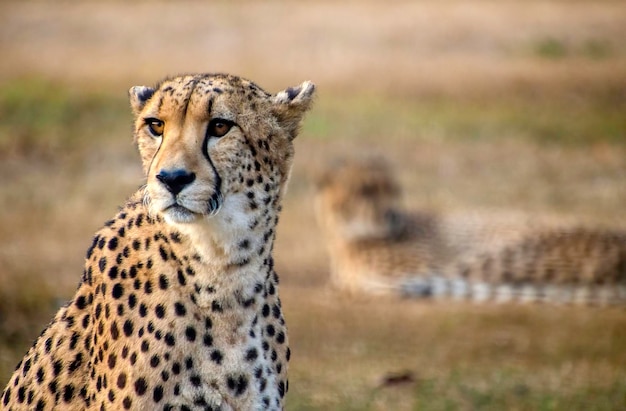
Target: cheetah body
[
  {"x": 377, "y": 247},
  {"x": 178, "y": 306}
]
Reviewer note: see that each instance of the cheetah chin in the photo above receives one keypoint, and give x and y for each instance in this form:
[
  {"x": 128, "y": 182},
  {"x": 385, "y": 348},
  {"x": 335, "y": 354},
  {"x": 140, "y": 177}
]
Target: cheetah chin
[{"x": 182, "y": 210}]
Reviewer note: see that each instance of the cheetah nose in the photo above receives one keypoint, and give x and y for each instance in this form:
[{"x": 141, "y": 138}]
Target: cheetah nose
[{"x": 175, "y": 180}]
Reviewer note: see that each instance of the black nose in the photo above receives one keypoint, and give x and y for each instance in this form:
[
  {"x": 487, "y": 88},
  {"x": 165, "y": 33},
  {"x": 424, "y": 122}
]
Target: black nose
[{"x": 175, "y": 180}]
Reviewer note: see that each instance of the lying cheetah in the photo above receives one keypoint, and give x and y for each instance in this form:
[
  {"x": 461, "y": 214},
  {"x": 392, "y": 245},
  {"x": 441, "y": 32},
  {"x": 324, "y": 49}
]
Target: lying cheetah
[
  {"x": 178, "y": 306},
  {"x": 377, "y": 247}
]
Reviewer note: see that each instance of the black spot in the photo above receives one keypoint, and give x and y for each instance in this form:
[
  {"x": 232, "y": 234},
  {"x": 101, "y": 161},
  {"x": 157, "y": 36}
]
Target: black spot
[
  {"x": 157, "y": 394},
  {"x": 145, "y": 346},
  {"x": 170, "y": 340},
  {"x": 132, "y": 301},
  {"x": 127, "y": 403},
  {"x": 265, "y": 310},
  {"x": 181, "y": 278},
  {"x": 102, "y": 264},
  {"x": 128, "y": 328},
  {"x": 117, "y": 291},
  {"x": 159, "y": 311},
  {"x": 163, "y": 253},
  {"x": 195, "y": 380},
  {"x": 207, "y": 340},
  {"x": 147, "y": 287},
  {"x": 78, "y": 360},
  {"x": 40, "y": 375},
  {"x": 163, "y": 283},
  {"x": 276, "y": 311},
  {"x": 68, "y": 393},
  {"x": 80, "y": 302},
  {"x": 113, "y": 271},
  {"x": 180, "y": 310},
  {"x": 216, "y": 307},
  {"x": 112, "y": 361},
  {"x": 57, "y": 366},
  {"x": 143, "y": 310},
  {"x": 74, "y": 340},
  {"x": 21, "y": 394},
  {"x": 175, "y": 237},
  {"x": 237, "y": 384},
  {"x": 176, "y": 368},
  {"x": 270, "y": 330},
  {"x": 93, "y": 245},
  {"x": 217, "y": 357},
  {"x": 121, "y": 380},
  {"x": 113, "y": 243},
  {"x": 280, "y": 337},
  {"x": 252, "y": 354},
  {"x": 281, "y": 389},
  {"x": 154, "y": 361},
  {"x": 190, "y": 333}
]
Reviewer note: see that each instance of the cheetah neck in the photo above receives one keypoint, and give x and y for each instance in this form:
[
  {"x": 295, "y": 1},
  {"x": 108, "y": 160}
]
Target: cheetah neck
[{"x": 236, "y": 240}]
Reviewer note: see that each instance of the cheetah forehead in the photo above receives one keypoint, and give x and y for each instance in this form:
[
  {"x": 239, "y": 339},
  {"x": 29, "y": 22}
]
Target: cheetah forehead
[{"x": 207, "y": 95}]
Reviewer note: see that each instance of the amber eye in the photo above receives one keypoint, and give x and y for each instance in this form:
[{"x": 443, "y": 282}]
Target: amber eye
[
  {"x": 155, "y": 126},
  {"x": 219, "y": 127}
]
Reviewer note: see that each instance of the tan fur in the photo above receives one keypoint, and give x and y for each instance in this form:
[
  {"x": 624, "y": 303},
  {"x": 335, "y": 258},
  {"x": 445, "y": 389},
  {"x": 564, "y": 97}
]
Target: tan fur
[
  {"x": 178, "y": 306},
  {"x": 377, "y": 247}
]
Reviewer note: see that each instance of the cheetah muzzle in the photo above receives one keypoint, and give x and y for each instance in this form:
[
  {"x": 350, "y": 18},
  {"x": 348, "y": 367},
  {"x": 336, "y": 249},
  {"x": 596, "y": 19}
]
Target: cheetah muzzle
[{"x": 178, "y": 305}]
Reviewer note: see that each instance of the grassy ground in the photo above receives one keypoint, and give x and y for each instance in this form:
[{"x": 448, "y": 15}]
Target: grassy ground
[{"x": 488, "y": 106}]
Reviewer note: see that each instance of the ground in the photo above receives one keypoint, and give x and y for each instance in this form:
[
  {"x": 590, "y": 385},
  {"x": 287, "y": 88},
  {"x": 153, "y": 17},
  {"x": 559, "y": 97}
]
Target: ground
[{"x": 482, "y": 105}]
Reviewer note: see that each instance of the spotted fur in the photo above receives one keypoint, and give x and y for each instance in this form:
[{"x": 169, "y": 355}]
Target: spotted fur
[
  {"x": 377, "y": 247},
  {"x": 178, "y": 306}
]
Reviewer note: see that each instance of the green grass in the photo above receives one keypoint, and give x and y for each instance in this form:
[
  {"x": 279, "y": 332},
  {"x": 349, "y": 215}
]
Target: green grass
[
  {"x": 462, "y": 390},
  {"x": 572, "y": 120},
  {"x": 41, "y": 118}
]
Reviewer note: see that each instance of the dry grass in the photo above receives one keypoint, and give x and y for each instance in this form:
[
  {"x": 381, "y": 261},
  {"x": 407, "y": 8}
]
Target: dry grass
[{"x": 514, "y": 106}]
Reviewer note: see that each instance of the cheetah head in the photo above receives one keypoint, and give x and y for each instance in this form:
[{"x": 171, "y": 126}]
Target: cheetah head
[
  {"x": 208, "y": 138},
  {"x": 357, "y": 199}
]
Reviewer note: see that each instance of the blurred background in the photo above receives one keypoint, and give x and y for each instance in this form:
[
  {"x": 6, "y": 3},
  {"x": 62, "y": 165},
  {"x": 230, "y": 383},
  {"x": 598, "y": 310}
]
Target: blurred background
[{"x": 480, "y": 105}]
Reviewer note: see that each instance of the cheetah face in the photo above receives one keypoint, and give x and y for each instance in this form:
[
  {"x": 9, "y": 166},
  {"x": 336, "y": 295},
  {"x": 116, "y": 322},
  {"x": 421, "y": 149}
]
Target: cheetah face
[
  {"x": 203, "y": 138},
  {"x": 356, "y": 199}
]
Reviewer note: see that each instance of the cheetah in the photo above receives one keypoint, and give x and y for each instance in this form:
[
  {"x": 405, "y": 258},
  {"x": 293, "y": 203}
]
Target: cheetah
[
  {"x": 178, "y": 306},
  {"x": 377, "y": 247}
]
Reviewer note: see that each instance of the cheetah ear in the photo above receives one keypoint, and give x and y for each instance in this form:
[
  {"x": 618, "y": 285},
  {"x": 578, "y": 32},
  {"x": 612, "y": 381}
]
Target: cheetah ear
[
  {"x": 290, "y": 105},
  {"x": 139, "y": 96}
]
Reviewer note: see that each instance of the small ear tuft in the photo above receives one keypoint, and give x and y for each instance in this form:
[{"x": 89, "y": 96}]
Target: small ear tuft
[
  {"x": 139, "y": 95},
  {"x": 294, "y": 95},
  {"x": 291, "y": 104}
]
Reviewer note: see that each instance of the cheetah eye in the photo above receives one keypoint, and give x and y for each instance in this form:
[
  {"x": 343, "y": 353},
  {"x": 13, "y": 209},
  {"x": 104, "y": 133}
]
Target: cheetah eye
[
  {"x": 155, "y": 126},
  {"x": 218, "y": 127}
]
